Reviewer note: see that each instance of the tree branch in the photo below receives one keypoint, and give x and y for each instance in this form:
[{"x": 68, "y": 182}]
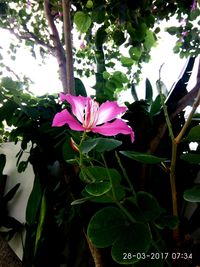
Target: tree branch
[
  {"x": 68, "y": 46},
  {"x": 28, "y": 35},
  {"x": 60, "y": 54}
]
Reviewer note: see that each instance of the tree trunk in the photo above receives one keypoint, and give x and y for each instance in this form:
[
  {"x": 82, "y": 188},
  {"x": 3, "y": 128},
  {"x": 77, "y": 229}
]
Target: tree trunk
[{"x": 7, "y": 256}]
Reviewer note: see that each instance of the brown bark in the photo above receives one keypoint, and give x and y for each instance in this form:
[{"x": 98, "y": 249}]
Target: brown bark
[
  {"x": 7, "y": 256},
  {"x": 59, "y": 50}
]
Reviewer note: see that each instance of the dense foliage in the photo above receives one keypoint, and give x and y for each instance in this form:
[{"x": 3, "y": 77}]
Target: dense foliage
[{"x": 106, "y": 200}]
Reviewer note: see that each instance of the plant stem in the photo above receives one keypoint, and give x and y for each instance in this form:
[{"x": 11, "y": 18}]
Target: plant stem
[
  {"x": 124, "y": 173},
  {"x": 183, "y": 130},
  {"x": 124, "y": 210}
]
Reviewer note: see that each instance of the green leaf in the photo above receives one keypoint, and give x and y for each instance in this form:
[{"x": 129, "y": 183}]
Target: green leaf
[
  {"x": 149, "y": 91},
  {"x": 149, "y": 40},
  {"x": 34, "y": 202},
  {"x": 116, "y": 188},
  {"x": 120, "y": 77},
  {"x": 193, "y": 194},
  {"x": 118, "y": 37},
  {"x": 148, "y": 205},
  {"x": 11, "y": 193},
  {"x": 191, "y": 158},
  {"x": 82, "y": 21},
  {"x": 135, "y": 238},
  {"x": 81, "y": 200},
  {"x": 156, "y": 106},
  {"x": 43, "y": 209},
  {"x": 172, "y": 30},
  {"x": 94, "y": 174},
  {"x": 105, "y": 226},
  {"x": 194, "y": 134},
  {"x": 98, "y": 188},
  {"x": 127, "y": 61},
  {"x": 99, "y": 144},
  {"x": 135, "y": 53},
  {"x": 143, "y": 158}
]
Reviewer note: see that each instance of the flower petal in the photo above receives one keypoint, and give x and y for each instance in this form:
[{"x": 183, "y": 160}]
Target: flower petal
[
  {"x": 113, "y": 128},
  {"x": 64, "y": 117},
  {"x": 109, "y": 111},
  {"x": 77, "y": 103}
]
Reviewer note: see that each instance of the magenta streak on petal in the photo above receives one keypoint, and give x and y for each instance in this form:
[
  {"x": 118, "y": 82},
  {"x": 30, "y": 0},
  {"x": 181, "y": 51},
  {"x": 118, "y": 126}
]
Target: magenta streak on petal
[
  {"x": 91, "y": 114},
  {"x": 77, "y": 103},
  {"x": 109, "y": 111},
  {"x": 64, "y": 117},
  {"x": 113, "y": 128}
]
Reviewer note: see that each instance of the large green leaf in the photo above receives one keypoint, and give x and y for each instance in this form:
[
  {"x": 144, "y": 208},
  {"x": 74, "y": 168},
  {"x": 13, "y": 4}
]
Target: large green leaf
[
  {"x": 82, "y": 21},
  {"x": 143, "y": 158},
  {"x": 99, "y": 145},
  {"x": 135, "y": 238},
  {"x": 193, "y": 194},
  {"x": 98, "y": 188},
  {"x": 116, "y": 189},
  {"x": 105, "y": 226}
]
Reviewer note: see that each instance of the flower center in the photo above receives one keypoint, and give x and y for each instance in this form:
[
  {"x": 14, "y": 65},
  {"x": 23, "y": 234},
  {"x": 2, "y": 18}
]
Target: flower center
[{"x": 91, "y": 114}]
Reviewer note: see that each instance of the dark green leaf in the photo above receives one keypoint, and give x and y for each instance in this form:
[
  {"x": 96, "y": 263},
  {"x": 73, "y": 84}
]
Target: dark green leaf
[
  {"x": 34, "y": 202},
  {"x": 194, "y": 134},
  {"x": 135, "y": 238},
  {"x": 11, "y": 193},
  {"x": 143, "y": 158},
  {"x": 99, "y": 145},
  {"x": 98, "y": 188},
  {"x": 191, "y": 158},
  {"x": 105, "y": 226},
  {"x": 148, "y": 205},
  {"x": 193, "y": 194},
  {"x": 149, "y": 91}
]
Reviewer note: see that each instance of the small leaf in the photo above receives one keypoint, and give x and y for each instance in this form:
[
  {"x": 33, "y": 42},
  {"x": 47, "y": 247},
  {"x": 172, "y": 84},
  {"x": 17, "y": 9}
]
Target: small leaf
[
  {"x": 149, "y": 40},
  {"x": 143, "y": 158},
  {"x": 172, "y": 30},
  {"x": 82, "y": 21},
  {"x": 127, "y": 61},
  {"x": 156, "y": 106},
  {"x": 193, "y": 194},
  {"x": 149, "y": 91},
  {"x": 98, "y": 188},
  {"x": 81, "y": 200}
]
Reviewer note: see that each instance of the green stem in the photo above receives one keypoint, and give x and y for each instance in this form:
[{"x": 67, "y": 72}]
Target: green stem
[
  {"x": 124, "y": 210},
  {"x": 124, "y": 173}
]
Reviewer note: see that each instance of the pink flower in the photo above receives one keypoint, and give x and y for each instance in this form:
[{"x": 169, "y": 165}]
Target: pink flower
[{"x": 89, "y": 116}]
